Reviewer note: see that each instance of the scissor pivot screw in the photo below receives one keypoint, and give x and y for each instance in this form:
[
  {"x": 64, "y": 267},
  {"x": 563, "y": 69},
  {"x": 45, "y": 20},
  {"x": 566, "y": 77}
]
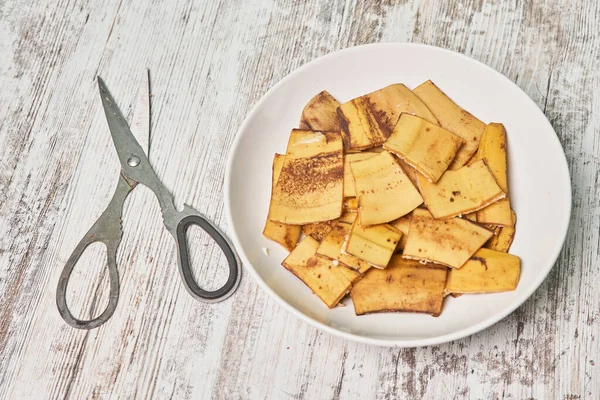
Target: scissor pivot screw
[{"x": 133, "y": 161}]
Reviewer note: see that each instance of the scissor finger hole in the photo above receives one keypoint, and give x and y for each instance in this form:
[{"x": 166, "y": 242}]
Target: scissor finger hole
[
  {"x": 88, "y": 287},
  {"x": 207, "y": 261}
]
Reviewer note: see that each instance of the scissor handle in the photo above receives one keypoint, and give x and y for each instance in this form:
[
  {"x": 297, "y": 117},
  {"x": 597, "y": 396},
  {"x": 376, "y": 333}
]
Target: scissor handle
[
  {"x": 113, "y": 274},
  {"x": 106, "y": 230},
  {"x": 191, "y": 217}
]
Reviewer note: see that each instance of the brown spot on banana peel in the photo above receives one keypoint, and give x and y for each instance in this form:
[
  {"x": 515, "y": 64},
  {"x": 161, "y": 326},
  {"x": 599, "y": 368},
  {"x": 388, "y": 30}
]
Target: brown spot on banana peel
[
  {"x": 481, "y": 260},
  {"x": 313, "y": 174},
  {"x": 344, "y": 126}
]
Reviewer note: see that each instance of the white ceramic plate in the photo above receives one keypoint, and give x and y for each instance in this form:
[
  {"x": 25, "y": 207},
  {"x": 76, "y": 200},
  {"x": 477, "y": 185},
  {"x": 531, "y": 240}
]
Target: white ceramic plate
[{"x": 540, "y": 188}]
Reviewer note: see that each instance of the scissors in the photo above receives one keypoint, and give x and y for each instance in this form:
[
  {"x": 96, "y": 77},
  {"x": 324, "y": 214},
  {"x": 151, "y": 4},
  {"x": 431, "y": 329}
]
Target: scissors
[{"x": 135, "y": 168}]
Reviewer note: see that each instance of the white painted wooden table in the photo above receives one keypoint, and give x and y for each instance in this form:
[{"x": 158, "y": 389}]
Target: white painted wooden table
[{"x": 210, "y": 62}]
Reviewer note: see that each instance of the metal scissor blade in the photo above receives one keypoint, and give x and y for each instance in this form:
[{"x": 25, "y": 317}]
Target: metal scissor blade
[
  {"x": 140, "y": 122},
  {"x": 128, "y": 148}
]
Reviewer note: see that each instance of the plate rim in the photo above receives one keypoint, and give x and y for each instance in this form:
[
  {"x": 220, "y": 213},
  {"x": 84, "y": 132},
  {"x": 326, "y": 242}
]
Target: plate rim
[{"x": 449, "y": 337}]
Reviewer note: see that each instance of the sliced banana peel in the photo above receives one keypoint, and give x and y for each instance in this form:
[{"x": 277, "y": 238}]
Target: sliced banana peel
[
  {"x": 402, "y": 224},
  {"x": 320, "y": 113},
  {"x": 405, "y": 285},
  {"x": 324, "y": 278},
  {"x": 425, "y": 146},
  {"x": 432, "y": 187},
  {"x": 460, "y": 192},
  {"x": 352, "y": 275},
  {"x": 408, "y": 169},
  {"x": 331, "y": 248},
  {"x": 349, "y": 187},
  {"x": 492, "y": 149},
  {"x": 486, "y": 272},
  {"x": 317, "y": 231},
  {"x": 503, "y": 237},
  {"x": 310, "y": 186},
  {"x": 374, "y": 244},
  {"x": 384, "y": 191},
  {"x": 286, "y": 235},
  {"x": 452, "y": 117},
  {"x": 448, "y": 242},
  {"x": 367, "y": 121}
]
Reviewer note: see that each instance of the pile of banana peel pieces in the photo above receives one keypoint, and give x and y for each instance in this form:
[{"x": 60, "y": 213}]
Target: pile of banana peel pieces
[{"x": 397, "y": 198}]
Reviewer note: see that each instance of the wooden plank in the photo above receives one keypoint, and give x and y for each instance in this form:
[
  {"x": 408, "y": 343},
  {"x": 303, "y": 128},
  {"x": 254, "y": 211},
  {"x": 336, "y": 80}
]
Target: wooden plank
[{"x": 210, "y": 62}]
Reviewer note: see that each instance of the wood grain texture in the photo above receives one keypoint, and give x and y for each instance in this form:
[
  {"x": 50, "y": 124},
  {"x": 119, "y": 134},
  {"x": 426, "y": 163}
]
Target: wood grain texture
[{"x": 210, "y": 62}]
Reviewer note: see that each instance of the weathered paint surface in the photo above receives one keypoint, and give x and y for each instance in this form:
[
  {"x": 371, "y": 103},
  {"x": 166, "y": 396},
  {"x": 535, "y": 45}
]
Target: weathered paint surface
[{"x": 212, "y": 60}]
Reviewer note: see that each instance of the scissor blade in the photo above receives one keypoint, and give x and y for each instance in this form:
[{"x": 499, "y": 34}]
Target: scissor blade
[
  {"x": 140, "y": 123},
  {"x": 125, "y": 143}
]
